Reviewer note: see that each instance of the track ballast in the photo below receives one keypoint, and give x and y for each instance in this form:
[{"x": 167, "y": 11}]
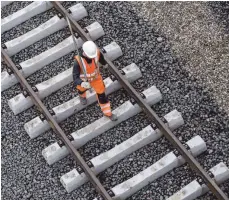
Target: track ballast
[{"x": 137, "y": 97}]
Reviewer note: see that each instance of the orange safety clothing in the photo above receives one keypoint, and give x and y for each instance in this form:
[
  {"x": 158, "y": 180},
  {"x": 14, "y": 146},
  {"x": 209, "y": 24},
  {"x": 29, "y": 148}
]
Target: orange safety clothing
[
  {"x": 90, "y": 70},
  {"x": 93, "y": 76}
]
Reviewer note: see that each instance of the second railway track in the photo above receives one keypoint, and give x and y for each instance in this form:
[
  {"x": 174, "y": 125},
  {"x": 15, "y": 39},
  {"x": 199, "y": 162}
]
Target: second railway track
[{"x": 152, "y": 95}]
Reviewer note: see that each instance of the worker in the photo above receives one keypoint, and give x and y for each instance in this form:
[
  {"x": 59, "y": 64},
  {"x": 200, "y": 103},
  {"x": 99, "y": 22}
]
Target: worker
[{"x": 86, "y": 75}]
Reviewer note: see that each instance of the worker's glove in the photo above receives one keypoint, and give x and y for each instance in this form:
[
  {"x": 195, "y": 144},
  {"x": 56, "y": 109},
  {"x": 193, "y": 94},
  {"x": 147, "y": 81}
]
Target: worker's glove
[{"x": 86, "y": 85}]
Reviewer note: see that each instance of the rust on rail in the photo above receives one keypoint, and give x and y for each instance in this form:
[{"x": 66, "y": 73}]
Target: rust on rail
[{"x": 148, "y": 110}]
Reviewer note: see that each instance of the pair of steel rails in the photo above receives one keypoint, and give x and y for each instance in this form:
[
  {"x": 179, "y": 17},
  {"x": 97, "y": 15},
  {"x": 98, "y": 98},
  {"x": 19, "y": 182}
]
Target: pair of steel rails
[{"x": 133, "y": 93}]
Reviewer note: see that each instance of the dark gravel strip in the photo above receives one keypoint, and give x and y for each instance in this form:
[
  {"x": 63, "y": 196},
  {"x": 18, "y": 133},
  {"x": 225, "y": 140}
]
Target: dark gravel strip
[
  {"x": 28, "y": 25},
  {"x": 40, "y": 46},
  {"x": 13, "y": 7},
  {"x": 220, "y": 10}
]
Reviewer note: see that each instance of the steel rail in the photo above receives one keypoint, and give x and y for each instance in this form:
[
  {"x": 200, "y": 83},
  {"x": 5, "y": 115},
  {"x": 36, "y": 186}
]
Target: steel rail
[
  {"x": 148, "y": 111},
  {"x": 57, "y": 129}
]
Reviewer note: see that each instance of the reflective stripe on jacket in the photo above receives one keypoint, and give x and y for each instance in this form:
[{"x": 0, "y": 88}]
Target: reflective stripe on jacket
[{"x": 91, "y": 70}]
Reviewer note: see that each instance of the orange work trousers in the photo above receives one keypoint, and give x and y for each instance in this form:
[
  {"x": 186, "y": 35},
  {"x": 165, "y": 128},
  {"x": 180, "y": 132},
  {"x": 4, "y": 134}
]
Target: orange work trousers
[{"x": 99, "y": 87}]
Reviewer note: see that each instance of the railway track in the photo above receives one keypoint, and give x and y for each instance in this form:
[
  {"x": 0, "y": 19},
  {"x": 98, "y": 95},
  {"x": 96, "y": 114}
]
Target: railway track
[{"x": 138, "y": 102}]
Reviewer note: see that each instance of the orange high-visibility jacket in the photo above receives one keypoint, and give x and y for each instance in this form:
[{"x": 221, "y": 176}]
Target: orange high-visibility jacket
[{"x": 90, "y": 70}]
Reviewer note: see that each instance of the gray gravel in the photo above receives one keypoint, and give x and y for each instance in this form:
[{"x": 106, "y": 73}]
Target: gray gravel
[
  {"x": 26, "y": 175},
  {"x": 28, "y": 25},
  {"x": 199, "y": 35},
  {"x": 13, "y": 7}
]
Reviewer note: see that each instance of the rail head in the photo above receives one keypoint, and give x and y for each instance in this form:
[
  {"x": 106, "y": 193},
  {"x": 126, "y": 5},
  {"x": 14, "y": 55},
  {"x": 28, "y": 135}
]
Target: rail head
[
  {"x": 145, "y": 107},
  {"x": 148, "y": 111},
  {"x": 57, "y": 129}
]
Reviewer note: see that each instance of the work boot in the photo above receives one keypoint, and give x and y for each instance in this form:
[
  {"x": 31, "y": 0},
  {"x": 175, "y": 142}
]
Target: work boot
[
  {"x": 113, "y": 117},
  {"x": 83, "y": 100}
]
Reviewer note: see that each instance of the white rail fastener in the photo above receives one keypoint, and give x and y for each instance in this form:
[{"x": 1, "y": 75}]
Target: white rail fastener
[
  {"x": 158, "y": 169},
  {"x": 24, "y": 14},
  {"x": 36, "y": 63},
  {"x": 194, "y": 189},
  {"x": 74, "y": 179},
  {"x": 20, "y": 102},
  {"x": 54, "y": 152},
  {"x": 51, "y": 26}
]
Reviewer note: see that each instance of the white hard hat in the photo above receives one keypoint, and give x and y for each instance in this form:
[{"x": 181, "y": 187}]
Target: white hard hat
[{"x": 90, "y": 49}]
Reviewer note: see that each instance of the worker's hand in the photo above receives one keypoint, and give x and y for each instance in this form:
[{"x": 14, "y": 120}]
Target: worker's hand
[{"x": 86, "y": 85}]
